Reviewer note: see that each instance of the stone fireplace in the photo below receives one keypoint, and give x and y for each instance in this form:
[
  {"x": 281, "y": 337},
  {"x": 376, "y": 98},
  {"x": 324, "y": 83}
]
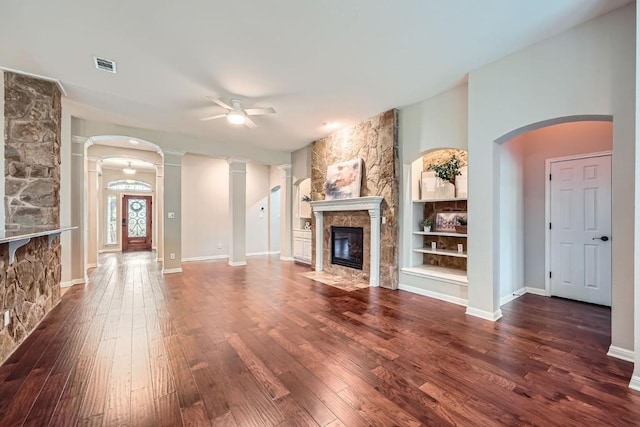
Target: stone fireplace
[
  {"x": 349, "y": 213},
  {"x": 375, "y": 141}
]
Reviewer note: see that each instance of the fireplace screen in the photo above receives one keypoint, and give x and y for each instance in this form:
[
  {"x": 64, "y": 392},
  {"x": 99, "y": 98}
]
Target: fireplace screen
[{"x": 346, "y": 246}]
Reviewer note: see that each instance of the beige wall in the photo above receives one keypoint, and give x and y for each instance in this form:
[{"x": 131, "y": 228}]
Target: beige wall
[{"x": 539, "y": 145}]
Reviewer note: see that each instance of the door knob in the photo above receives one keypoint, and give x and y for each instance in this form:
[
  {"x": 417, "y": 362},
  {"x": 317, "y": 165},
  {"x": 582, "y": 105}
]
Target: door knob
[{"x": 603, "y": 238}]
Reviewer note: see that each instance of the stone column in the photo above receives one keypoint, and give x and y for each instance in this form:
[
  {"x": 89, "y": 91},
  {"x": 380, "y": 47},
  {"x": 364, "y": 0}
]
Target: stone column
[
  {"x": 172, "y": 259},
  {"x": 286, "y": 214},
  {"x": 32, "y": 113},
  {"x": 237, "y": 211},
  {"x": 91, "y": 251}
]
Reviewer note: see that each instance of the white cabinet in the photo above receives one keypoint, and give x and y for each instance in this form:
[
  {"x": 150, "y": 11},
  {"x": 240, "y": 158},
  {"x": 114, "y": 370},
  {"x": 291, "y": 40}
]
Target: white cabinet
[{"x": 302, "y": 246}]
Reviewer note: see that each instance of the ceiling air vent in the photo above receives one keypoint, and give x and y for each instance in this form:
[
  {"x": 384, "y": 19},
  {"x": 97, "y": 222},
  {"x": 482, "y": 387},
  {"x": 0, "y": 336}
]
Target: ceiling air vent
[{"x": 105, "y": 64}]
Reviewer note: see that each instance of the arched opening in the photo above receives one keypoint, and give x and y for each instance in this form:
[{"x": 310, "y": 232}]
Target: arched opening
[
  {"x": 541, "y": 217},
  {"x": 120, "y": 171}
]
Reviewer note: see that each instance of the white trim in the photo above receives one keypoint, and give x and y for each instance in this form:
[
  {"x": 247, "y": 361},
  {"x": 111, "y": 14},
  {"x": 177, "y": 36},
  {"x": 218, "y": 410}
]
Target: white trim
[
  {"x": 537, "y": 291},
  {"x": 621, "y": 353},
  {"x": 92, "y": 265},
  {"x": 237, "y": 264},
  {"x": 486, "y": 315},
  {"x": 547, "y": 208},
  {"x": 431, "y": 294},
  {"x": 71, "y": 283},
  {"x": 204, "y": 258},
  {"x": 37, "y": 76},
  {"x": 513, "y": 295},
  {"x": 109, "y": 250},
  {"x": 171, "y": 270},
  {"x": 287, "y": 258},
  {"x": 262, "y": 253},
  {"x": 634, "y": 384}
]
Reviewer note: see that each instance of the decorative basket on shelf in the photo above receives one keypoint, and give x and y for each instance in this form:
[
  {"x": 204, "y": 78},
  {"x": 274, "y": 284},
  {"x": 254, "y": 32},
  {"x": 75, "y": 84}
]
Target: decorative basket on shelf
[{"x": 462, "y": 229}]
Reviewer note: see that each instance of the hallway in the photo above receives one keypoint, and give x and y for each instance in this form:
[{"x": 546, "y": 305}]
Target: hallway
[{"x": 261, "y": 345}]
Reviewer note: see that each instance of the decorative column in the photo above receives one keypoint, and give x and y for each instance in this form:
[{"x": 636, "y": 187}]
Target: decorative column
[
  {"x": 159, "y": 212},
  {"x": 319, "y": 238},
  {"x": 238, "y": 211},
  {"x": 374, "y": 215},
  {"x": 91, "y": 228},
  {"x": 172, "y": 187},
  {"x": 286, "y": 217}
]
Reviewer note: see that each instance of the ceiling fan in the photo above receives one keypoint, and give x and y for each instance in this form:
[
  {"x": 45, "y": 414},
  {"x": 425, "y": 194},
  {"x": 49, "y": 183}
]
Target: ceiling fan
[{"x": 236, "y": 114}]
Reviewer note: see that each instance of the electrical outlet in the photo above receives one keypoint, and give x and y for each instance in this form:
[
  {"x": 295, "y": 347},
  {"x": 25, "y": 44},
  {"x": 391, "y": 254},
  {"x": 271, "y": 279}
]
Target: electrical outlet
[
  {"x": 7, "y": 318},
  {"x": 171, "y": 215},
  {"x": 172, "y": 256}
]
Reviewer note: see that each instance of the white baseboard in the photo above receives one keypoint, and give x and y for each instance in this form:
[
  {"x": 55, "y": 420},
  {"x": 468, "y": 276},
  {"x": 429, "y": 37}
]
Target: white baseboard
[
  {"x": 432, "y": 294},
  {"x": 204, "y": 258},
  {"x": 515, "y": 294},
  {"x": 261, "y": 253},
  {"x": 171, "y": 270},
  {"x": 70, "y": 283},
  {"x": 107, "y": 250},
  {"x": 237, "y": 264},
  {"x": 621, "y": 353},
  {"x": 92, "y": 265},
  {"x": 286, "y": 258},
  {"x": 634, "y": 384},
  {"x": 537, "y": 291},
  {"x": 486, "y": 315}
]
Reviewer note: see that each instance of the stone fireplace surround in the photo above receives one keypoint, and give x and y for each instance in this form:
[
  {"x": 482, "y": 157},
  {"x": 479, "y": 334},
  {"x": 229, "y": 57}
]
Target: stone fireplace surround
[{"x": 371, "y": 204}]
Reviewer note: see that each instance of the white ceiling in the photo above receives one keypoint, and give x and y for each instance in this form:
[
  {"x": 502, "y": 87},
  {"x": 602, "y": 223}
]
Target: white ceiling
[{"x": 313, "y": 61}]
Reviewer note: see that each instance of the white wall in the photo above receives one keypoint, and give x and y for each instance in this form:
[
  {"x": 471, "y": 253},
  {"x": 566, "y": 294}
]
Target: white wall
[
  {"x": 205, "y": 207},
  {"x": 539, "y": 145},
  {"x": 588, "y": 70},
  {"x": 206, "y": 230},
  {"x": 258, "y": 192},
  {"x": 438, "y": 122}
]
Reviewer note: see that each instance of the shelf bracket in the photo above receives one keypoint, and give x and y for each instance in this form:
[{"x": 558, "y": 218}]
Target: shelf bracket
[{"x": 14, "y": 246}]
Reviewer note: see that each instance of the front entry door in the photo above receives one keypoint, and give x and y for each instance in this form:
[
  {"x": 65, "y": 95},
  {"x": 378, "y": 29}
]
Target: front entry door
[
  {"x": 581, "y": 229},
  {"x": 136, "y": 223}
]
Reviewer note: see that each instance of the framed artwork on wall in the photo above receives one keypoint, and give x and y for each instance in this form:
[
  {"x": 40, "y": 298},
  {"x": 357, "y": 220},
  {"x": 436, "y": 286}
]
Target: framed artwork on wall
[
  {"x": 446, "y": 222},
  {"x": 344, "y": 180}
]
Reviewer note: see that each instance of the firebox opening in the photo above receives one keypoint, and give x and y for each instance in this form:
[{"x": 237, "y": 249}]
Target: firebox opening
[{"x": 347, "y": 246}]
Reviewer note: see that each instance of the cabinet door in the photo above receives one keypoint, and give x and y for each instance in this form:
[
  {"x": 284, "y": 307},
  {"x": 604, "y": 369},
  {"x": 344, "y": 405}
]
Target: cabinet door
[
  {"x": 306, "y": 249},
  {"x": 298, "y": 248}
]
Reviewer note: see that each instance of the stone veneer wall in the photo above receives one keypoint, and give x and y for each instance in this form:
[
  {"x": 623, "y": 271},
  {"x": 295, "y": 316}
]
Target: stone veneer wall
[
  {"x": 29, "y": 289},
  {"x": 376, "y": 142},
  {"x": 32, "y": 112}
]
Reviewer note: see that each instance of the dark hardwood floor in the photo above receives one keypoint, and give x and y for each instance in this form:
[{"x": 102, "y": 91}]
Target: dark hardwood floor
[{"x": 262, "y": 346}]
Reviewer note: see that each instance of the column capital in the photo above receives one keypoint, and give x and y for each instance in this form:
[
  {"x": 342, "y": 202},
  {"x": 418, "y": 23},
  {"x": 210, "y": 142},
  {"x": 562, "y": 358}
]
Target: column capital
[
  {"x": 285, "y": 167},
  {"x": 174, "y": 153}
]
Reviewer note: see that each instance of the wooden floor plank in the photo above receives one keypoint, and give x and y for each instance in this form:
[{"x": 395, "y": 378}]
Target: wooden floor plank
[{"x": 262, "y": 346}]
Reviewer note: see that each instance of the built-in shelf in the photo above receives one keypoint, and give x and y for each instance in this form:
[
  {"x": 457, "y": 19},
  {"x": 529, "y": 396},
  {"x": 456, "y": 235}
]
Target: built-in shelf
[
  {"x": 439, "y": 233},
  {"x": 453, "y": 199},
  {"x": 458, "y": 277},
  {"x": 445, "y": 252}
]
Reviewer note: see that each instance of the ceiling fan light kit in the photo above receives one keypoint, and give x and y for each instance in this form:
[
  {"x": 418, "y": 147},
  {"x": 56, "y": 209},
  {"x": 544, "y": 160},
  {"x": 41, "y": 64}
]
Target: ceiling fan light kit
[{"x": 236, "y": 114}]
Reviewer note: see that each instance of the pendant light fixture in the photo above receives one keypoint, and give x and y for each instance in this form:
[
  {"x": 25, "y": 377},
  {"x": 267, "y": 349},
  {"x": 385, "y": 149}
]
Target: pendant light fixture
[{"x": 129, "y": 170}]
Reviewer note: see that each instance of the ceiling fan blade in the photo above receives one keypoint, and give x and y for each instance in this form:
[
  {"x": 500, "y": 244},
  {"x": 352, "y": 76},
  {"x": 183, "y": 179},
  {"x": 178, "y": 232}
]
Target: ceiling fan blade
[
  {"x": 221, "y": 103},
  {"x": 259, "y": 111},
  {"x": 249, "y": 123},
  {"x": 219, "y": 116}
]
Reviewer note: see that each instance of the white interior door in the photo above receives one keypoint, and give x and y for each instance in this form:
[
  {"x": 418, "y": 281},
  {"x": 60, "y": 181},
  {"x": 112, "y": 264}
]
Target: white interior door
[{"x": 581, "y": 229}]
